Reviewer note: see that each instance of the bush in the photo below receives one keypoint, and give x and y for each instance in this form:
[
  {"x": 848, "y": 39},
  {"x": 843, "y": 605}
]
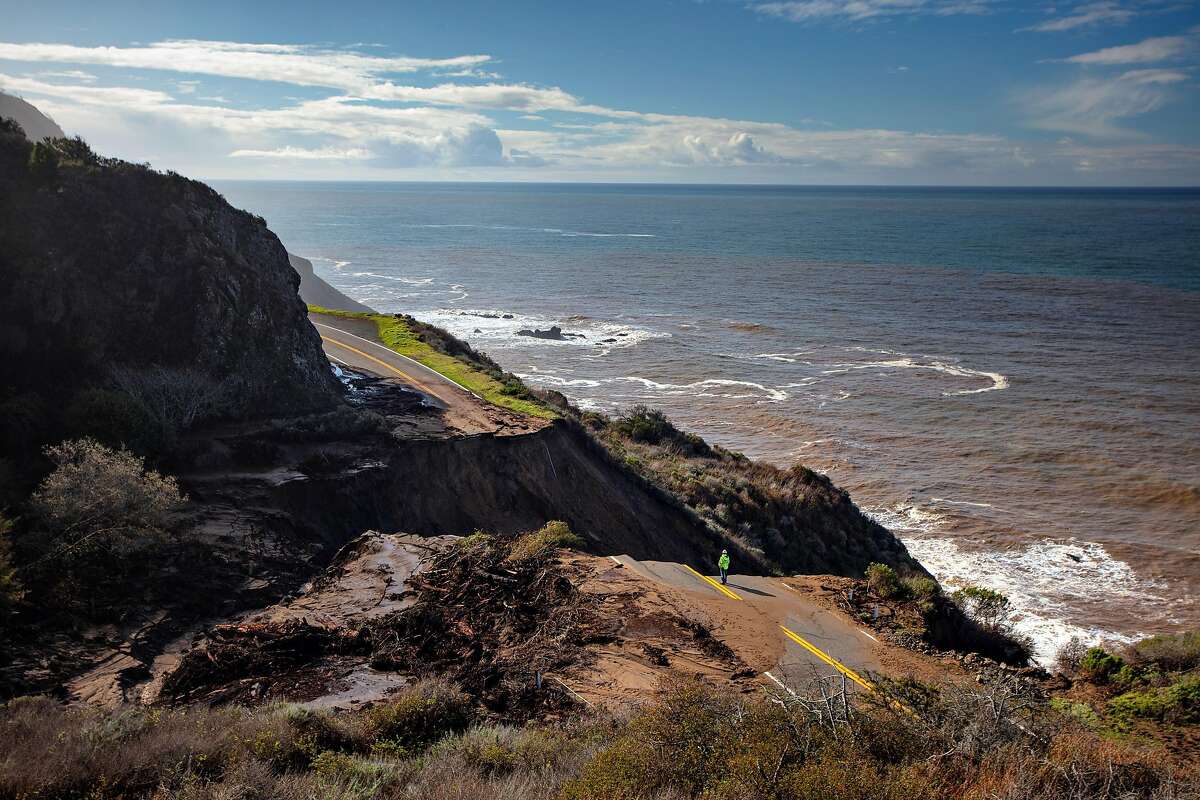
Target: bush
[
  {"x": 1178, "y": 702},
  {"x": 420, "y": 716},
  {"x": 540, "y": 543},
  {"x": 115, "y": 419},
  {"x": 1071, "y": 654},
  {"x": 1098, "y": 665},
  {"x": 989, "y": 608},
  {"x": 43, "y": 162},
  {"x": 922, "y": 589},
  {"x": 1169, "y": 652},
  {"x": 883, "y": 581},
  {"x": 10, "y": 587},
  {"x": 100, "y": 501}
]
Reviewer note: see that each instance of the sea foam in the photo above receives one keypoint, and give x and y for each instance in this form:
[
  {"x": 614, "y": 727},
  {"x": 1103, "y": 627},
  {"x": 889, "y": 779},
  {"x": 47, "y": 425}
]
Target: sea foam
[{"x": 1040, "y": 578}]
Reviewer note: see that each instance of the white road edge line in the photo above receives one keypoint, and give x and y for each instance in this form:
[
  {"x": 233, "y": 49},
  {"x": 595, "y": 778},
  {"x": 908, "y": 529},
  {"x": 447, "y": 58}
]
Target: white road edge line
[
  {"x": 869, "y": 636},
  {"x": 780, "y": 684},
  {"x": 616, "y": 561},
  {"x": 394, "y": 354}
]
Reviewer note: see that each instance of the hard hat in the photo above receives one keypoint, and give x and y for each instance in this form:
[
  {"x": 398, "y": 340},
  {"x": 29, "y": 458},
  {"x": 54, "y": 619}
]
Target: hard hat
[{"x": 724, "y": 551}]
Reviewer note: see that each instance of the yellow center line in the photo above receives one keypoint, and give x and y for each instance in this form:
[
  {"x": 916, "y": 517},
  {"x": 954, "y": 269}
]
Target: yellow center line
[
  {"x": 828, "y": 659},
  {"x": 385, "y": 365},
  {"x": 723, "y": 590}
]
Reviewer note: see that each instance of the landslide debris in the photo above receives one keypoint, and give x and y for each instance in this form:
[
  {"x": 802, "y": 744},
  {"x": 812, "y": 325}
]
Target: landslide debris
[{"x": 488, "y": 612}]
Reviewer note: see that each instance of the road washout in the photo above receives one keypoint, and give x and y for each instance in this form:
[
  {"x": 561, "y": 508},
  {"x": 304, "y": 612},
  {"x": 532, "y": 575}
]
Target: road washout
[{"x": 529, "y": 633}]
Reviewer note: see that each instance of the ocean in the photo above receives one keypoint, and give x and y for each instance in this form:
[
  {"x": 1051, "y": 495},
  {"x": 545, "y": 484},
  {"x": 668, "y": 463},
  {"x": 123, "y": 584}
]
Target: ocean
[{"x": 1008, "y": 379}]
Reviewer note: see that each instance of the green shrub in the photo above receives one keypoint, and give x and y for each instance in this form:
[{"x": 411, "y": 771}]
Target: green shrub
[
  {"x": 542, "y": 542},
  {"x": 98, "y": 507},
  {"x": 43, "y": 162},
  {"x": 1169, "y": 652},
  {"x": 883, "y": 580},
  {"x": 924, "y": 589},
  {"x": 421, "y": 715},
  {"x": 989, "y": 608},
  {"x": 1179, "y": 702},
  {"x": 1098, "y": 665}
]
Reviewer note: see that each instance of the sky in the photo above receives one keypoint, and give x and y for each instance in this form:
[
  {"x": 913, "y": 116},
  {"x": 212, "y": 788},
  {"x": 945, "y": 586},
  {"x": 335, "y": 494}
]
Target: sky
[{"x": 903, "y": 92}]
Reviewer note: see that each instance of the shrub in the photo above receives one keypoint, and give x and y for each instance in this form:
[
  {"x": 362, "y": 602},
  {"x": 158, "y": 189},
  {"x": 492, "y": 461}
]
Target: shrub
[
  {"x": 883, "y": 580},
  {"x": 540, "y": 543},
  {"x": 1179, "y": 702},
  {"x": 988, "y": 607},
  {"x": 175, "y": 399},
  {"x": 1169, "y": 652},
  {"x": 424, "y": 713},
  {"x": 1071, "y": 654},
  {"x": 43, "y": 162},
  {"x": 101, "y": 501},
  {"x": 643, "y": 424},
  {"x": 923, "y": 589},
  {"x": 1098, "y": 665},
  {"x": 115, "y": 419},
  {"x": 10, "y": 587}
]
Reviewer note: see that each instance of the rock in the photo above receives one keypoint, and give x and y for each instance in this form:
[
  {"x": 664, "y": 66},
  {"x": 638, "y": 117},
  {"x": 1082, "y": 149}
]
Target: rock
[
  {"x": 553, "y": 332},
  {"x": 134, "y": 269}
]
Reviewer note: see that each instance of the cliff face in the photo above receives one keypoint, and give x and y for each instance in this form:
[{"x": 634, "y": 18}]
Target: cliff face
[
  {"x": 37, "y": 126},
  {"x": 106, "y": 266}
]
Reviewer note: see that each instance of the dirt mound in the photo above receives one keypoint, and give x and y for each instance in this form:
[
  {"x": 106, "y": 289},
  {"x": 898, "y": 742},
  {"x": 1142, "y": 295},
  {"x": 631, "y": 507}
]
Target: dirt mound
[{"x": 492, "y": 613}]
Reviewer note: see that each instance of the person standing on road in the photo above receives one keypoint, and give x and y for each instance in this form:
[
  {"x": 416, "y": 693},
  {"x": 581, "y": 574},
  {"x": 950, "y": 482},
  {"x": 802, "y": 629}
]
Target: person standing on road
[{"x": 723, "y": 563}]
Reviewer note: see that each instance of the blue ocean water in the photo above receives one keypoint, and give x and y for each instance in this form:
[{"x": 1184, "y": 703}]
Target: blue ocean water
[{"x": 1008, "y": 378}]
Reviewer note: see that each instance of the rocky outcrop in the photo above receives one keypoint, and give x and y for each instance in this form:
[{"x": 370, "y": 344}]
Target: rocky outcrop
[
  {"x": 34, "y": 123},
  {"x": 106, "y": 266},
  {"x": 317, "y": 292}
]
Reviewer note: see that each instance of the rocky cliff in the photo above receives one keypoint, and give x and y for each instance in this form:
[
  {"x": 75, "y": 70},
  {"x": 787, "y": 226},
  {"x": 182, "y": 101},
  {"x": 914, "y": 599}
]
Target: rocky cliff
[
  {"x": 34, "y": 123},
  {"x": 108, "y": 266}
]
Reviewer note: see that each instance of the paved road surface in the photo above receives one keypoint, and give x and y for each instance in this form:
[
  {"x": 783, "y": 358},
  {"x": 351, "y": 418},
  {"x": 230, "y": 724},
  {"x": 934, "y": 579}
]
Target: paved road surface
[{"x": 816, "y": 641}]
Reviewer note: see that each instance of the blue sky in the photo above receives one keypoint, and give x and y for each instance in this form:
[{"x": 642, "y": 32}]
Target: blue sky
[{"x": 1101, "y": 92}]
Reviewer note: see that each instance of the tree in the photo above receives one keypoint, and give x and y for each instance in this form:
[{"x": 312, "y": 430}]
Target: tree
[
  {"x": 989, "y": 608},
  {"x": 100, "y": 502}
]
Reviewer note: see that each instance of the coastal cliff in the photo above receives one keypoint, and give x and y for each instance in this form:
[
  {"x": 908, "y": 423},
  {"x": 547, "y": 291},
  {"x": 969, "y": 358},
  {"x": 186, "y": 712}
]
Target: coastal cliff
[{"x": 110, "y": 267}]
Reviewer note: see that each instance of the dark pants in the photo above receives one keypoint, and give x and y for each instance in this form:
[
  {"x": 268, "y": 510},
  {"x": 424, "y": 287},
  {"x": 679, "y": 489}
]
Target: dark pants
[{"x": 723, "y": 574}]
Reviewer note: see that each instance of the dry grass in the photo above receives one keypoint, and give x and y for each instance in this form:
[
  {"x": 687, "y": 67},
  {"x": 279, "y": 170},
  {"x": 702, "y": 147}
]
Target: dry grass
[{"x": 992, "y": 744}]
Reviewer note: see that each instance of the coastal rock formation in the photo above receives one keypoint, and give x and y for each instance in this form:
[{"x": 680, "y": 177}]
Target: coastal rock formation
[
  {"x": 108, "y": 266},
  {"x": 315, "y": 291},
  {"x": 34, "y": 123},
  {"x": 554, "y": 332}
]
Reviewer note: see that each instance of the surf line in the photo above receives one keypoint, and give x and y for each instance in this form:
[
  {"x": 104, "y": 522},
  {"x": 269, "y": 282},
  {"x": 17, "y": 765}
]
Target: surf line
[{"x": 712, "y": 583}]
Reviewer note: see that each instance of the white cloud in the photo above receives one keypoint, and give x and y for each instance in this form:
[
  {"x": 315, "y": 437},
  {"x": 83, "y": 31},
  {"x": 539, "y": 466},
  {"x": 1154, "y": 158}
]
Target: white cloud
[
  {"x": 859, "y": 10},
  {"x": 373, "y": 126},
  {"x": 306, "y": 154},
  {"x": 295, "y": 64},
  {"x": 1093, "y": 106},
  {"x": 1086, "y": 15},
  {"x": 1147, "y": 51}
]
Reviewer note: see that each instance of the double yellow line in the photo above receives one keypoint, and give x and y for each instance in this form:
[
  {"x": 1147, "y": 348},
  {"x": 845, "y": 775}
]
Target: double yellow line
[
  {"x": 414, "y": 381},
  {"x": 720, "y": 588},
  {"x": 828, "y": 659}
]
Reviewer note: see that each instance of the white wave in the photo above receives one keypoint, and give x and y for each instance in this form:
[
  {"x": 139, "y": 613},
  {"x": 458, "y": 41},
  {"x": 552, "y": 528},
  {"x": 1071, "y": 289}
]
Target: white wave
[
  {"x": 964, "y": 503},
  {"x": 656, "y": 390},
  {"x": 520, "y": 228},
  {"x": 498, "y": 327},
  {"x": 1042, "y": 579},
  {"x": 393, "y": 278},
  {"x": 998, "y": 381},
  {"x": 697, "y": 388}
]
